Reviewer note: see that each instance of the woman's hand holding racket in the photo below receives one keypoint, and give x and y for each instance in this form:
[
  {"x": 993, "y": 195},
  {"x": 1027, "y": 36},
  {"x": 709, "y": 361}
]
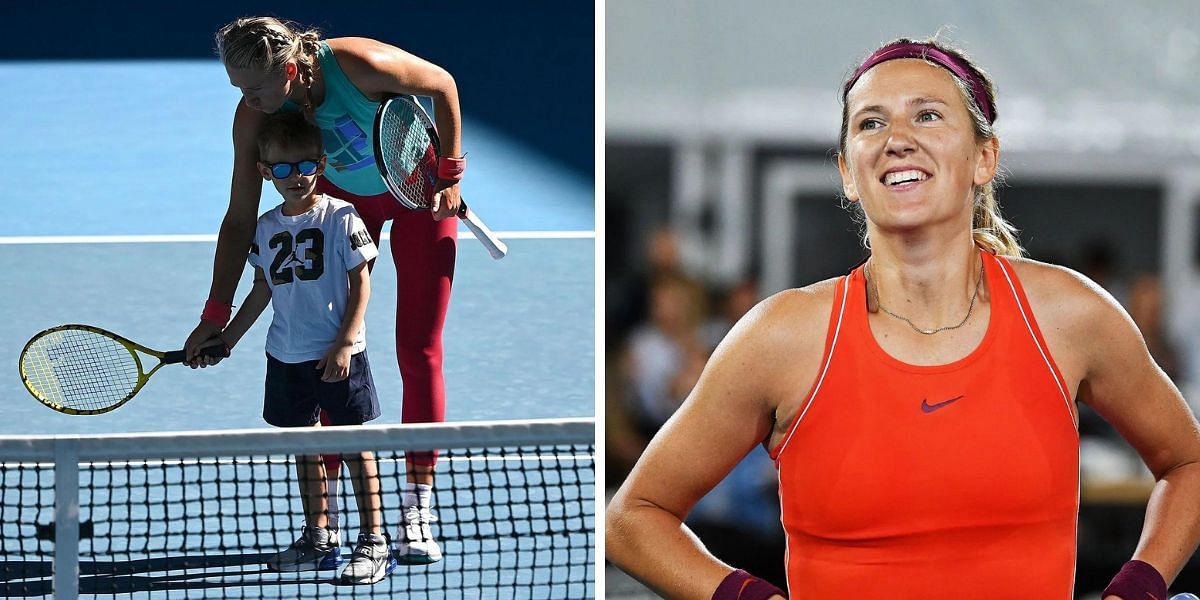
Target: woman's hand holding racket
[
  {"x": 407, "y": 155},
  {"x": 208, "y": 358},
  {"x": 203, "y": 332},
  {"x": 446, "y": 200}
]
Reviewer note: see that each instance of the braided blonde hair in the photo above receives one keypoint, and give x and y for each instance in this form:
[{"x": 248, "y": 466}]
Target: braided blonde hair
[
  {"x": 989, "y": 228},
  {"x": 266, "y": 44}
]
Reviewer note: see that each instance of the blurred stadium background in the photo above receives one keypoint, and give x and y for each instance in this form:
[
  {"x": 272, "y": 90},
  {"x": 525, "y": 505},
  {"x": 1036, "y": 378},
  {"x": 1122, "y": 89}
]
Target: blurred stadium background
[
  {"x": 501, "y": 55},
  {"x": 721, "y": 188}
]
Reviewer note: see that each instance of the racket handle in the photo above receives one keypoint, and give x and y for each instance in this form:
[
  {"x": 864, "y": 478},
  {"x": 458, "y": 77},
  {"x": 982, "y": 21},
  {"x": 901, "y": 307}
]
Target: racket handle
[
  {"x": 177, "y": 356},
  {"x": 494, "y": 246}
]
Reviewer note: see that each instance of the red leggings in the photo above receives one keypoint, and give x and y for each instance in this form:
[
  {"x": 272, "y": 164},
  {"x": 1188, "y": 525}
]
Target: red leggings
[{"x": 423, "y": 252}]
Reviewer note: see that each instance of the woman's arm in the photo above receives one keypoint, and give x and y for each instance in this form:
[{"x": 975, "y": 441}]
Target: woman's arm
[
  {"x": 237, "y": 228},
  {"x": 252, "y": 307},
  {"x": 731, "y": 409},
  {"x": 376, "y": 69},
  {"x": 1124, "y": 385}
]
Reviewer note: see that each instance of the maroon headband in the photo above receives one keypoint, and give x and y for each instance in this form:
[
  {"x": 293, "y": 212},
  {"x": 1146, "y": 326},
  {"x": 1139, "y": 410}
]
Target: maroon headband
[{"x": 951, "y": 63}]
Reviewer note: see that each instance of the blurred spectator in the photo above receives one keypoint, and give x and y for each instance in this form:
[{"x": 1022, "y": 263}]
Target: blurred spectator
[
  {"x": 1146, "y": 308},
  {"x": 626, "y": 295},
  {"x": 623, "y": 439},
  {"x": 736, "y": 302},
  {"x": 666, "y": 354},
  {"x": 641, "y": 372},
  {"x": 739, "y": 519},
  {"x": 662, "y": 251},
  {"x": 650, "y": 375},
  {"x": 1100, "y": 265}
]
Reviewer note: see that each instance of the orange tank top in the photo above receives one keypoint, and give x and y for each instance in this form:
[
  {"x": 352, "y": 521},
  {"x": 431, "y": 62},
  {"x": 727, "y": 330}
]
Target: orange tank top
[{"x": 950, "y": 481}]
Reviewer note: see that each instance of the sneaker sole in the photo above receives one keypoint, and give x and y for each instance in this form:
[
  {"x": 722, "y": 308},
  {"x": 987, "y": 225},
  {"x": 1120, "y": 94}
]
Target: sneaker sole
[
  {"x": 375, "y": 578},
  {"x": 330, "y": 561},
  {"x": 417, "y": 559}
]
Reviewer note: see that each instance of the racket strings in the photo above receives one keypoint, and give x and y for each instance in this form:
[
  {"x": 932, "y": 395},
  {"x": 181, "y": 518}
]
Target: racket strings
[
  {"x": 409, "y": 155},
  {"x": 81, "y": 370}
]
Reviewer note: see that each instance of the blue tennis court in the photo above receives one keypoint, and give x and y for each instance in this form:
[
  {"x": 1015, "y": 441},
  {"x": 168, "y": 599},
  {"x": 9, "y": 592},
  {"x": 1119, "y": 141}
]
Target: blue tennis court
[
  {"x": 112, "y": 212},
  {"x": 138, "y": 161}
]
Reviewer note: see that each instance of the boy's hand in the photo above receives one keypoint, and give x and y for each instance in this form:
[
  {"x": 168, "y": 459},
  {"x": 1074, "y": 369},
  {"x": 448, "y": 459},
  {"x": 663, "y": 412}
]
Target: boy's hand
[
  {"x": 203, "y": 360},
  {"x": 335, "y": 363}
]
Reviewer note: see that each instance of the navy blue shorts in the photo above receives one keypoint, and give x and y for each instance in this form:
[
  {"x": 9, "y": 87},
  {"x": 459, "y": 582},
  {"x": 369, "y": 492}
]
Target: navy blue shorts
[{"x": 295, "y": 394}]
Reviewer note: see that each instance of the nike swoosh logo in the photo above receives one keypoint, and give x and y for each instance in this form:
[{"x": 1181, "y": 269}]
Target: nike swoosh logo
[
  {"x": 747, "y": 583},
  {"x": 926, "y": 407}
]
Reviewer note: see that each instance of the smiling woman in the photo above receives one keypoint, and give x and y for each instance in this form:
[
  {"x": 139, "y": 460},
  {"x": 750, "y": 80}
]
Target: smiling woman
[
  {"x": 973, "y": 92},
  {"x": 922, "y": 409}
]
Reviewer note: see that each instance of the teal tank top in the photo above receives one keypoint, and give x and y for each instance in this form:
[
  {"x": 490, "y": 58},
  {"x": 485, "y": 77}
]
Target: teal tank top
[{"x": 347, "y": 121}]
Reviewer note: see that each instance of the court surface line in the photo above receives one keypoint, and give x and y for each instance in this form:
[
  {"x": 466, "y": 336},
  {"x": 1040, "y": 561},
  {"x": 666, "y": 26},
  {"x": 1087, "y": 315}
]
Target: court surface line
[{"x": 207, "y": 237}]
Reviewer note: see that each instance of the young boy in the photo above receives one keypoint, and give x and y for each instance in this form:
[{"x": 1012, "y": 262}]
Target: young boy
[{"x": 310, "y": 258}]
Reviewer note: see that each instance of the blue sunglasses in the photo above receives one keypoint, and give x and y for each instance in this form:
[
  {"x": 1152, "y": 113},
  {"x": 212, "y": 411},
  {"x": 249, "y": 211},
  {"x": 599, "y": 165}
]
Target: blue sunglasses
[{"x": 283, "y": 170}]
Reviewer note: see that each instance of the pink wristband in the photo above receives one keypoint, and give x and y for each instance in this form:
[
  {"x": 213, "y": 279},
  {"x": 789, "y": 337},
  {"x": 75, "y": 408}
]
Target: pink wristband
[
  {"x": 740, "y": 585},
  {"x": 452, "y": 168},
  {"x": 216, "y": 313},
  {"x": 1137, "y": 580}
]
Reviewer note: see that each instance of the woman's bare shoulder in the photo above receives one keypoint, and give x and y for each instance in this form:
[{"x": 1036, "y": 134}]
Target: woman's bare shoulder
[
  {"x": 376, "y": 67},
  {"x": 360, "y": 53},
  {"x": 356, "y": 46},
  {"x": 797, "y": 301},
  {"x": 1063, "y": 297},
  {"x": 1045, "y": 278}
]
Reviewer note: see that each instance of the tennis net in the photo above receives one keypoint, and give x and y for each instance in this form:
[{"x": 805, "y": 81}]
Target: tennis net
[{"x": 198, "y": 514}]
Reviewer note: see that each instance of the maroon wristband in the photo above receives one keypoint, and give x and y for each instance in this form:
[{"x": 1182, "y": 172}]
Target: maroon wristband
[
  {"x": 740, "y": 585},
  {"x": 216, "y": 313},
  {"x": 1137, "y": 580},
  {"x": 452, "y": 168}
]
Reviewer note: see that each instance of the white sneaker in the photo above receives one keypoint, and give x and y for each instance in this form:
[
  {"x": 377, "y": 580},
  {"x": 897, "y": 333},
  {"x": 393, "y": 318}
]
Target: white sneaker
[
  {"x": 414, "y": 542},
  {"x": 316, "y": 549},
  {"x": 371, "y": 561}
]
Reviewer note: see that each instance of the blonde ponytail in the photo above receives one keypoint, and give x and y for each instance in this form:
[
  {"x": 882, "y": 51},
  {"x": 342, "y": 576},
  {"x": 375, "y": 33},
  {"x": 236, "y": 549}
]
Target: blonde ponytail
[{"x": 991, "y": 230}]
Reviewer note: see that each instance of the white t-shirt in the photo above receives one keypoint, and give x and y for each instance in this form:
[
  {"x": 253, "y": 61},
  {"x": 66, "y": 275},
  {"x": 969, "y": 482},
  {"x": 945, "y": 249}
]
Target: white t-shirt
[{"x": 305, "y": 259}]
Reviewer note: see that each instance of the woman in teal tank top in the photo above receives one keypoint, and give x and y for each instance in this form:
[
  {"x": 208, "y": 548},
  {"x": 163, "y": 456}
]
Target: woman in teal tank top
[{"x": 338, "y": 84}]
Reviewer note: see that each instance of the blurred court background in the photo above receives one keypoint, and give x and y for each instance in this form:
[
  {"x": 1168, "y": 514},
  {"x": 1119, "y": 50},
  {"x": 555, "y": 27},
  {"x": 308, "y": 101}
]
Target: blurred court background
[{"x": 721, "y": 186}]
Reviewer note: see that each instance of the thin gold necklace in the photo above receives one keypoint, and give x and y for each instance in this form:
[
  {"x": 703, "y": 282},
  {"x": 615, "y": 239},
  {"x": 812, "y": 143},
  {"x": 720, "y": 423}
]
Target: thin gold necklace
[{"x": 879, "y": 303}]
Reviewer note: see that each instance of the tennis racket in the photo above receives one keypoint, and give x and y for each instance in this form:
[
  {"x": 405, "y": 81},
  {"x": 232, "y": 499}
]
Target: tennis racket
[
  {"x": 406, "y": 152},
  {"x": 84, "y": 370}
]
